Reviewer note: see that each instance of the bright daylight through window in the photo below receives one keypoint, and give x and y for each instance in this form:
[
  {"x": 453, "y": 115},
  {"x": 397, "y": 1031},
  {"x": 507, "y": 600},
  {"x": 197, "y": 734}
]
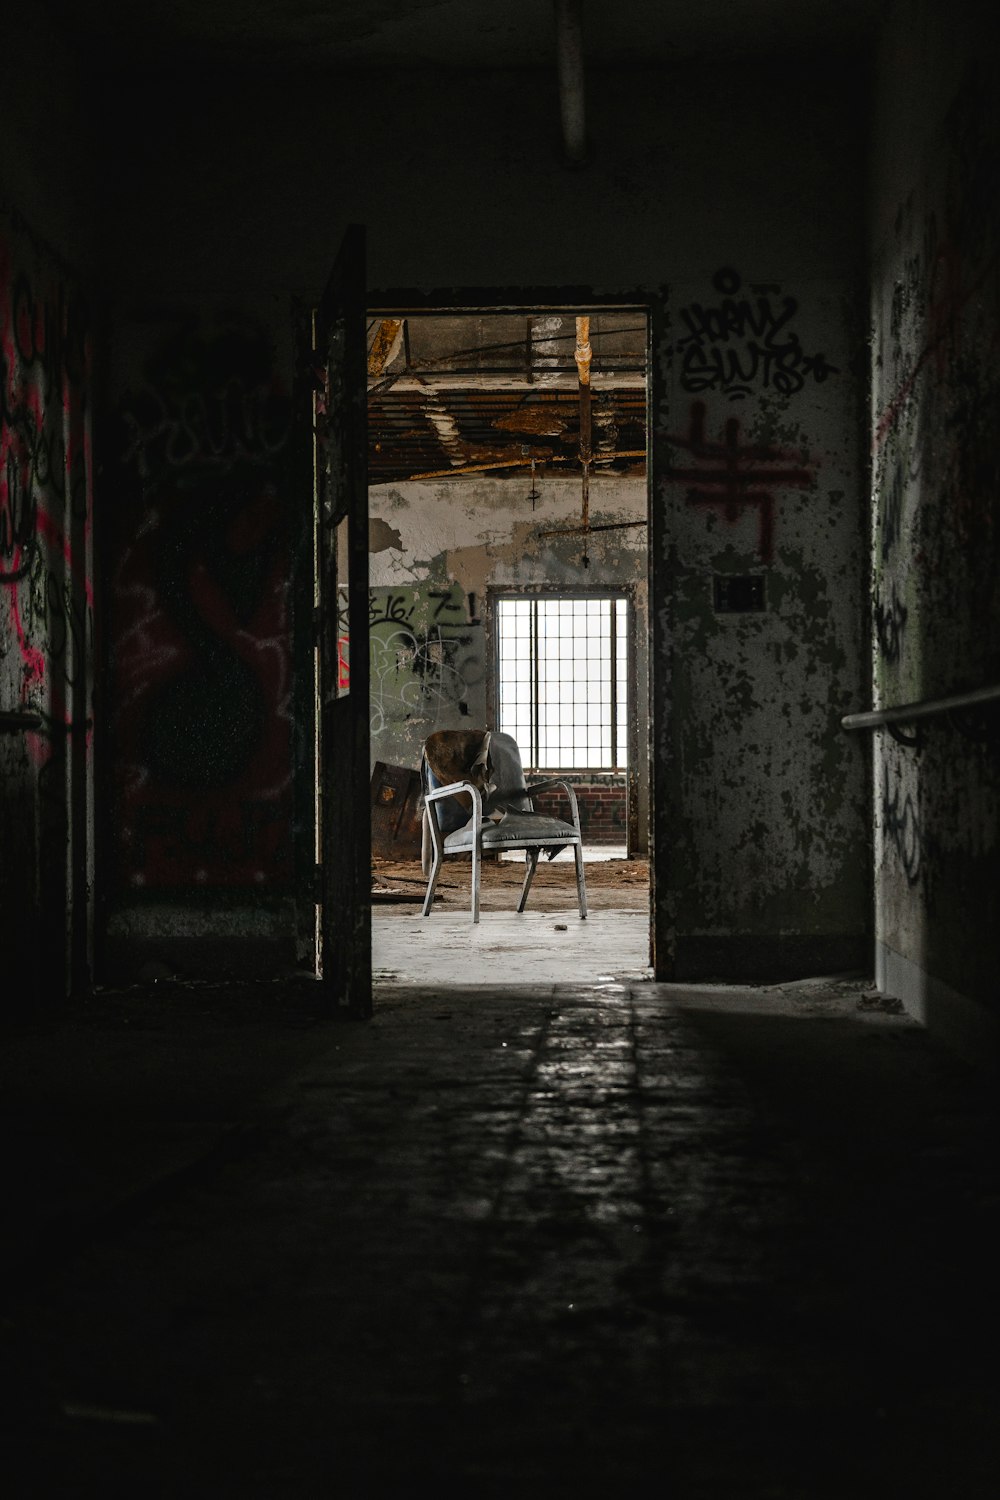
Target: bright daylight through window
[{"x": 562, "y": 676}]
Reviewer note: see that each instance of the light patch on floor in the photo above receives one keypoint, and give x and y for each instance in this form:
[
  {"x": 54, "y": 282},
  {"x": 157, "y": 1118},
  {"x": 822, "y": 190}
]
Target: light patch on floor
[
  {"x": 592, "y": 854},
  {"x": 551, "y": 947}
]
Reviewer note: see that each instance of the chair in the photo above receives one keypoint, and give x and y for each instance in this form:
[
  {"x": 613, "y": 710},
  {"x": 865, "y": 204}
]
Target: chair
[{"x": 482, "y": 804}]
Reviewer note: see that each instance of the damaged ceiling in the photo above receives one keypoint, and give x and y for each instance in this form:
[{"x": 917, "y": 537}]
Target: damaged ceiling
[{"x": 451, "y": 396}]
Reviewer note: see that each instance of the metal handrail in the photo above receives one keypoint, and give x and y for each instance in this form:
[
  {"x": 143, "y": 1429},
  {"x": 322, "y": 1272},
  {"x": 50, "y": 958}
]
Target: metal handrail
[
  {"x": 928, "y": 708},
  {"x": 15, "y": 721}
]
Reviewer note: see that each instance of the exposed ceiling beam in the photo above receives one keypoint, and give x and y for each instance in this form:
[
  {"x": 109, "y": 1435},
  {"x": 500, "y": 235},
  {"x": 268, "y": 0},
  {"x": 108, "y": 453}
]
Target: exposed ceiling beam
[{"x": 547, "y": 380}]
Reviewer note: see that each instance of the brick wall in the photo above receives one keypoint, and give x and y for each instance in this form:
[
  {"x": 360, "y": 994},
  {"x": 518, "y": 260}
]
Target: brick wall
[{"x": 602, "y": 808}]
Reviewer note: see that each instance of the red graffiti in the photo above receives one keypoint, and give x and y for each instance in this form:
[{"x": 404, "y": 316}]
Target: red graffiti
[
  {"x": 46, "y": 592},
  {"x": 730, "y": 478},
  {"x": 949, "y": 299}
]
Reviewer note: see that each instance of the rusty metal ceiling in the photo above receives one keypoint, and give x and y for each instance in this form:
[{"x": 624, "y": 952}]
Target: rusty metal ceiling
[{"x": 457, "y": 396}]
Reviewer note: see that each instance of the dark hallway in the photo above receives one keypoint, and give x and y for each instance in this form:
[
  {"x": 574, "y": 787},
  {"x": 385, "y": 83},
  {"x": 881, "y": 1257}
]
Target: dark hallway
[
  {"x": 623, "y": 380},
  {"x": 563, "y": 1242}
]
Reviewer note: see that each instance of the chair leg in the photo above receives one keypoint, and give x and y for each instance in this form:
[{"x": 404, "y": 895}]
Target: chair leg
[
  {"x": 431, "y": 883},
  {"x": 581, "y": 884},
  {"x": 477, "y": 859},
  {"x": 531, "y": 856}
]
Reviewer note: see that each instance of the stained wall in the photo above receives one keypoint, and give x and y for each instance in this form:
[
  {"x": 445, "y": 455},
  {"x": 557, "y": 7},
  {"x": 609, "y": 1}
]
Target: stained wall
[
  {"x": 935, "y": 520},
  {"x": 759, "y": 487}
]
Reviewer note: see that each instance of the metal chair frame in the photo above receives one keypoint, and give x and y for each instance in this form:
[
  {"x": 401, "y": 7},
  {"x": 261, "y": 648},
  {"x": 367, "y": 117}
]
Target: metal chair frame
[{"x": 531, "y": 847}]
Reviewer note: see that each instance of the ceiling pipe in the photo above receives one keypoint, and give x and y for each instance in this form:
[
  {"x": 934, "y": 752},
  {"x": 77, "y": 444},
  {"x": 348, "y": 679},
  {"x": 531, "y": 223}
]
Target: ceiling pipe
[
  {"x": 569, "y": 61},
  {"x": 584, "y": 354}
]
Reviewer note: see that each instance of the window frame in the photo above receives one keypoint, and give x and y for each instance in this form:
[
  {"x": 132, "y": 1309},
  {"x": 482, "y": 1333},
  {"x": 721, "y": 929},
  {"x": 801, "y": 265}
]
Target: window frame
[{"x": 548, "y": 593}]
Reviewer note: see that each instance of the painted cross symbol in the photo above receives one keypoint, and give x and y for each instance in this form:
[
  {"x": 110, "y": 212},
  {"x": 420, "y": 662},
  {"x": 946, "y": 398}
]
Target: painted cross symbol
[{"x": 733, "y": 482}]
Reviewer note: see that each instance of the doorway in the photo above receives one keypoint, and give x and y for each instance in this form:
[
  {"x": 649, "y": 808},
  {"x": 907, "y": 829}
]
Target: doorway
[{"x": 508, "y": 479}]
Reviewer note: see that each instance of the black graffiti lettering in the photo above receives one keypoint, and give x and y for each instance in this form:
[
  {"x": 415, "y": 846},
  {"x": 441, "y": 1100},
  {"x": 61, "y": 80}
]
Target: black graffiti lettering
[
  {"x": 737, "y": 320},
  {"x": 18, "y": 515},
  {"x": 390, "y": 610},
  {"x": 421, "y": 671},
  {"x": 739, "y": 345},
  {"x": 446, "y": 603},
  {"x": 902, "y": 827},
  {"x": 33, "y": 465},
  {"x": 890, "y": 623}
]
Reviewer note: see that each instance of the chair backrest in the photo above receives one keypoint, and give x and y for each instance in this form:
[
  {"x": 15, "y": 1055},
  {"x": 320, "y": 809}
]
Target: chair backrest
[
  {"x": 506, "y": 775},
  {"x": 454, "y": 751},
  {"x": 449, "y": 811},
  {"x": 451, "y": 755}
]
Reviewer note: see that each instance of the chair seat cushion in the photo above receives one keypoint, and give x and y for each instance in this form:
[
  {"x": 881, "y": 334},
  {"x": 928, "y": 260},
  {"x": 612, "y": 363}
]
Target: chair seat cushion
[{"x": 516, "y": 829}]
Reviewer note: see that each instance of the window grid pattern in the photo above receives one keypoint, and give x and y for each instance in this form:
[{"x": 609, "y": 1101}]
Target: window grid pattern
[{"x": 562, "y": 673}]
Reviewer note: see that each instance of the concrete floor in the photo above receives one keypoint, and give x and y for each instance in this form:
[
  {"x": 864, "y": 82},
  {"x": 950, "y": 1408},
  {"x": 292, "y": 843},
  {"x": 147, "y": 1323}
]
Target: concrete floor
[
  {"x": 568, "y": 1240},
  {"x": 550, "y": 947}
]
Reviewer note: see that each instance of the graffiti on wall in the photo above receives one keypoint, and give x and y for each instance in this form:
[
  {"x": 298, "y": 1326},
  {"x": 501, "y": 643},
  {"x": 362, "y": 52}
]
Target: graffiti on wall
[
  {"x": 937, "y": 377},
  {"x": 745, "y": 341},
  {"x": 46, "y": 606},
  {"x": 891, "y": 615},
  {"x": 731, "y": 476},
  {"x": 201, "y": 629},
  {"x": 902, "y": 827},
  {"x": 426, "y": 657},
  {"x": 46, "y": 591}
]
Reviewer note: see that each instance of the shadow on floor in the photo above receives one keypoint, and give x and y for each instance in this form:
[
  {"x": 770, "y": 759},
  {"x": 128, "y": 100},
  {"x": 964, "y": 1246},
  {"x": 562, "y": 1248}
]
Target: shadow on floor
[{"x": 548, "y": 1242}]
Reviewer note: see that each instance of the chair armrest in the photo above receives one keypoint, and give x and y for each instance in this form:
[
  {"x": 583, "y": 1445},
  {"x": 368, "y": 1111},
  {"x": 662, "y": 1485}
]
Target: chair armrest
[
  {"x": 543, "y": 786},
  {"x": 452, "y": 790}
]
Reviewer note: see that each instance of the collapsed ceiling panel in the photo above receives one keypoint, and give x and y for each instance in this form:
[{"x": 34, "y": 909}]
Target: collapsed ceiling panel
[{"x": 457, "y": 395}]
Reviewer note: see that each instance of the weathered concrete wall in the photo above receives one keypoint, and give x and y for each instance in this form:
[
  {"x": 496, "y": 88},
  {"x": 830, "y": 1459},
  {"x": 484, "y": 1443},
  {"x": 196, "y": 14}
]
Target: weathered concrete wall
[
  {"x": 765, "y": 864},
  {"x": 936, "y": 510},
  {"x": 437, "y": 549},
  {"x": 749, "y": 163},
  {"x": 47, "y": 244}
]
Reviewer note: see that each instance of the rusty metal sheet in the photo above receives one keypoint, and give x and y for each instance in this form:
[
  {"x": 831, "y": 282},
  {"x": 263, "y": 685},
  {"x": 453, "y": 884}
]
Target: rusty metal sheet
[{"x": 395, "y": 792}]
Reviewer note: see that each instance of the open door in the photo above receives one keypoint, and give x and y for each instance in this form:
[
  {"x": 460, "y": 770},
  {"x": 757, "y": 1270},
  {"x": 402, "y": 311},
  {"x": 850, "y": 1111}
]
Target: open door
[{"x": 342, "y": 510}]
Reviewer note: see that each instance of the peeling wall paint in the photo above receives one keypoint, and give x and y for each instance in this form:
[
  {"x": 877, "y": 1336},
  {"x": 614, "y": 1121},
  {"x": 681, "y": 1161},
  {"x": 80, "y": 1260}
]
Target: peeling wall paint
[
  {"x": 768, "y": 798},
  {"x": 936, "y": 496}
]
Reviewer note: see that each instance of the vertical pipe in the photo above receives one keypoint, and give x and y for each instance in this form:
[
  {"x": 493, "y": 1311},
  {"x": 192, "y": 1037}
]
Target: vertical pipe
[
  {"x": 534, "y": 752},
  {"x": 583, "y": 358},
  {"x": 569, "y": 62},
  {"x": 614, "y": 685}
]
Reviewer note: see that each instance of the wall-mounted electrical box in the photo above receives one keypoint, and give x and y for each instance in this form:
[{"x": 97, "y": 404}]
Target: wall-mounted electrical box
[{"x": 735, "y": 594}]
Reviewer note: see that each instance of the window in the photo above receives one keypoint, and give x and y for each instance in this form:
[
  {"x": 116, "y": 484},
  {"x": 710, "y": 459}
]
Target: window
[{"x": 562, "y": 680}]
